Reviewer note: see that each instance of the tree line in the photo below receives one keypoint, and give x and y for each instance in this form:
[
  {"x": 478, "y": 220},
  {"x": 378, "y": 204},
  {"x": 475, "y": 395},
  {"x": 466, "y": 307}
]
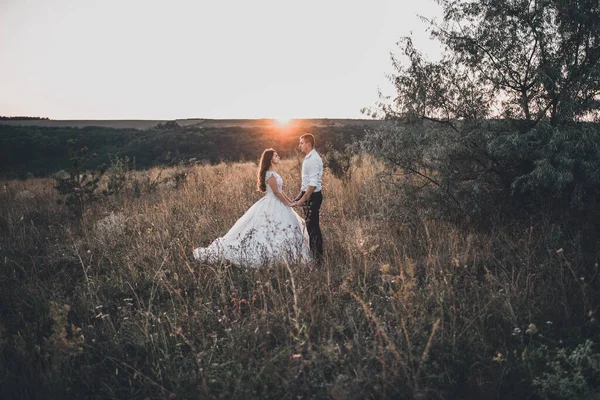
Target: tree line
[
  {"x": 41, "y": 151},
  {"x": 20, "y": 117}
]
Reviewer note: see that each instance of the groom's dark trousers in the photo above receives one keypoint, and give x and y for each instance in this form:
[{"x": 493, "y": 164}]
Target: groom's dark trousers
[{"x": 311, "y": 213}]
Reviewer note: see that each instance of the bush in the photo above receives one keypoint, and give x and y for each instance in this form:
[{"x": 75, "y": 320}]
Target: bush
[
  {"x": 118, "y": 174},
  {"x": 78, "y": 187},
  {"x": 492, "y": 167},
  {"x": 571, "y": 374},
  {"x": 339, "y": 163}
]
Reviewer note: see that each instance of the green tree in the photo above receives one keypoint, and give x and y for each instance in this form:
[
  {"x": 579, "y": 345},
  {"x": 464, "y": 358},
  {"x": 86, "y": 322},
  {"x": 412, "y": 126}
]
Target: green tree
[{"x": 507, "y": 115}]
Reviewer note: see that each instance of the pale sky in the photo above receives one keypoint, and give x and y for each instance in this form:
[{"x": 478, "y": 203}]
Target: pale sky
[{"x": 169, "y": 59}]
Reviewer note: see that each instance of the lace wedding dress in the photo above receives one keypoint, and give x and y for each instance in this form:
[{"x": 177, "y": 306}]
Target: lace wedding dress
[{"x": 269, "y": 231}]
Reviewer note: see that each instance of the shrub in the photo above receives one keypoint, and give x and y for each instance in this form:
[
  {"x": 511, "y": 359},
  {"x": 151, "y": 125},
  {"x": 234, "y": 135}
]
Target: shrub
[
  {"x": 492, "y": 167},
  {"x": 78, "y": 187},
  {"x": 570, "y": 374},
  {"x": 118, "y": 174},
  {"x": 339, "y": 163}
]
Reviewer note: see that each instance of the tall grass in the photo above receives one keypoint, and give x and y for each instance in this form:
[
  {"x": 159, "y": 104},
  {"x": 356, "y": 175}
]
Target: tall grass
[{"x": 114, "y": 306}]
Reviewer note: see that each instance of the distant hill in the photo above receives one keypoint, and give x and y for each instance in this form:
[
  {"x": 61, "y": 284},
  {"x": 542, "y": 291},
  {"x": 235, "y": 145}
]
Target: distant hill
[
  {"x": 39, "y": 147},
  {"x": 189, "y": 122},
  {"x": 20, "y": 117},
  {"x": 117, "y": 124}
]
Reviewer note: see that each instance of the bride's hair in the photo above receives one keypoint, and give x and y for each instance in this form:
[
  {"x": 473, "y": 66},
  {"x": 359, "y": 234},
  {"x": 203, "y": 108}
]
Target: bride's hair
[{"x": 264, "y": 165}]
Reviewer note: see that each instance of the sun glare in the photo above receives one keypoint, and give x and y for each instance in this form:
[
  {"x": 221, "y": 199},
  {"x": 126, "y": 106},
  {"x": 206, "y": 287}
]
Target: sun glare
[{"x": 283, "y": 122}]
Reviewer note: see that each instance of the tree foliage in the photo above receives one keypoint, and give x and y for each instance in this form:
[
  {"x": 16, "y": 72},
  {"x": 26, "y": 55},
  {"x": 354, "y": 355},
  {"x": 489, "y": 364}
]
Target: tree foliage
[{"x": 509, "y": 114}]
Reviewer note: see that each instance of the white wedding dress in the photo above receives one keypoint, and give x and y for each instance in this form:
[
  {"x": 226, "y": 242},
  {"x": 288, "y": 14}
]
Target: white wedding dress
[{"x": 269, "y": 231}]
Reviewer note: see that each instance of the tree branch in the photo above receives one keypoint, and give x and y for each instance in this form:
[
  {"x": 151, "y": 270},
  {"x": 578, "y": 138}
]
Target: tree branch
[{"x": 440, "y": 121}]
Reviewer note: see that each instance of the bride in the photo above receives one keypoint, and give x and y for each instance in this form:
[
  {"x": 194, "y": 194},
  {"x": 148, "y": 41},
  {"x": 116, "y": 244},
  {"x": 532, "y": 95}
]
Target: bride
[{"x": 269, "y": 231}]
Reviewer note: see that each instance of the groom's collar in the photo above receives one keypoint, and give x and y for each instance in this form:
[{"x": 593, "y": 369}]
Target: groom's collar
[{"x": 310, "y": 153}]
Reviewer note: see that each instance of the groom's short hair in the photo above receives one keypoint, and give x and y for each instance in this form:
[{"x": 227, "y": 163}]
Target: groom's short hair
[{"x": 308, "y": 137}]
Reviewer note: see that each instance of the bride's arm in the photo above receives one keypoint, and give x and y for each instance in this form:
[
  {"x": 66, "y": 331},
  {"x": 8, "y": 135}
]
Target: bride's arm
[
  {"x": 283, "y": 198},
  {"x": 287, "y": 197}
]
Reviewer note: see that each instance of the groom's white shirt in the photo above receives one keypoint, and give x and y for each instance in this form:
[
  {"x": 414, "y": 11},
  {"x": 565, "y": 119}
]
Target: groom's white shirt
[{"x": 312, "y": 171}]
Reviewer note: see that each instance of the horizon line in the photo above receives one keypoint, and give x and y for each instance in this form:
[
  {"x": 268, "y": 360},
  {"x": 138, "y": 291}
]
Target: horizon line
[{"x": 25, "y": 117}]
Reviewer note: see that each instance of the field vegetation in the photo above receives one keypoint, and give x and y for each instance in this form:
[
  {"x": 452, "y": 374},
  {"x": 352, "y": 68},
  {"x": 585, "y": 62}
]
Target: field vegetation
[{"x": 112, "y": 305}]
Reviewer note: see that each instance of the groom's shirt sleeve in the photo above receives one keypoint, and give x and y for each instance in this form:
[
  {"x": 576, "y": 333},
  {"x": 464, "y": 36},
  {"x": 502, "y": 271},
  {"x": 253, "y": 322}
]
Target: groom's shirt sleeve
[{"x": 313, "y": 172}]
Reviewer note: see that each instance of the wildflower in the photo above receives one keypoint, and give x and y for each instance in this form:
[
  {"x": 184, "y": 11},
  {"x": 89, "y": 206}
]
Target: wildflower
[
  {"x": 531, "y": 329},
  {"x": 24, "y": 195},
  {"x": 385, "y": 268}
]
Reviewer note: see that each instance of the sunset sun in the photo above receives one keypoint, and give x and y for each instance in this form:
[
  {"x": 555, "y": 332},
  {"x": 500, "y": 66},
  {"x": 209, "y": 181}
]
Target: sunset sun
[{"x": 283, "y": 122}]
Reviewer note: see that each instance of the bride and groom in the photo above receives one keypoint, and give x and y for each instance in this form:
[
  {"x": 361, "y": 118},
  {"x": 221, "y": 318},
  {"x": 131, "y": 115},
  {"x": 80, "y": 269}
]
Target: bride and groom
[{"x": 271, "y": 230}]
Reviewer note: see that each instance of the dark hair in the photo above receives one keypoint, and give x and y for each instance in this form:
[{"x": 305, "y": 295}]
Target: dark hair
[
  {"x": 263, "y": 167},
  {"x": 308, "y": 137}
]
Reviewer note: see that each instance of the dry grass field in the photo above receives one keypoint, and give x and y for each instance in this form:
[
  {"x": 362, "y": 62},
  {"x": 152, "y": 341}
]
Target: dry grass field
[{"x": 405, "y": 306}]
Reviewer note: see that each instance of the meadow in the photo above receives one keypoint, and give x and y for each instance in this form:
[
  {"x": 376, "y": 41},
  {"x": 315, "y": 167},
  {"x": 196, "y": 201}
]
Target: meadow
[{"x": 113, "y": 305}]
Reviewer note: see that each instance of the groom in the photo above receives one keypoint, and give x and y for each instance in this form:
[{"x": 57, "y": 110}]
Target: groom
[{"x": 311, "y": 197}]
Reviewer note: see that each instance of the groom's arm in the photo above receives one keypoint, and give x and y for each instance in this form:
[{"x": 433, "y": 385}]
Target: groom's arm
[
  {"x": 312, "y": 173},
  {"x": 306, "y": 196}
]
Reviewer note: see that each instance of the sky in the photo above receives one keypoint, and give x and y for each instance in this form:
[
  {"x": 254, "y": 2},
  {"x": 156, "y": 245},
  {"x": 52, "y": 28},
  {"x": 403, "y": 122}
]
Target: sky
[{"x": 147, "y": 59}]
